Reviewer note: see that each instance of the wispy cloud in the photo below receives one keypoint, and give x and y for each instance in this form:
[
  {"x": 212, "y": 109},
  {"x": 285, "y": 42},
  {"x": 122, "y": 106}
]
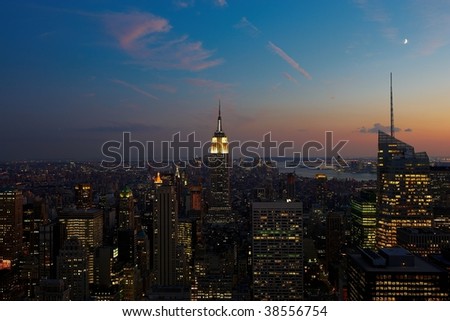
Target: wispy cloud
[
  {"x": 149, "y": 40},
  {"x": 207, "y": 83},
  {"x": 134, "y": 88},
  {"x": 378, "y": 127},
  {"x": 133, "y": 29},
  {"x": 408, "y": 130},
  {"x": 280, "y": 52},
  {"x": 290, "y": 78},
  {"x": 249, "y": 27}
]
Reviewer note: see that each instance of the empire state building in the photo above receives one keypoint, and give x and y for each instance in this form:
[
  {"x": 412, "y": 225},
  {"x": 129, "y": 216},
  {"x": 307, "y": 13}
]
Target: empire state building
[{"x": 219, "y": 211}]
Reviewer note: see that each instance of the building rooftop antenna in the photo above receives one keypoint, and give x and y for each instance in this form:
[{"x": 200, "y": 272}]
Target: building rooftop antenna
[{"x": 392, "y": 109}]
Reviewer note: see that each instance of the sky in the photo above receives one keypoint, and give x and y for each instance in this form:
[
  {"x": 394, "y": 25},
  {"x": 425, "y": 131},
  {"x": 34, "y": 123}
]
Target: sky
[{"x": 75, "y": 74}]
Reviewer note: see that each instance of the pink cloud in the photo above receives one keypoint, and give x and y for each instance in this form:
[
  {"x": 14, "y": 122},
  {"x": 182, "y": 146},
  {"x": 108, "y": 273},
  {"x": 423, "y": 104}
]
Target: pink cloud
[
  {"x": 290, "y": 78},
  {"x": 245, "y": 24},
  {"x": 130, "y": 28},
  {"x": 149, "y": 41},
  {"x": 280, "y": 52}
]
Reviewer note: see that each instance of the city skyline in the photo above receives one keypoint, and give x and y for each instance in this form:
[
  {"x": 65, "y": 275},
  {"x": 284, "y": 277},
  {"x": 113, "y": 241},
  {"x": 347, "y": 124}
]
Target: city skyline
[{"x": 77, "y": 75}]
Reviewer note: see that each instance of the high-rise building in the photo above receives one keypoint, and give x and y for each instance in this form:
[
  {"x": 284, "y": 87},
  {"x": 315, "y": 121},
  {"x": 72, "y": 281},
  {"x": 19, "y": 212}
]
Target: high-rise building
[
  {"x": 219, "y": 211},
  {"x": 423, "y": 241},
  {"x": 364, "y": 219},
  {"x": 403, "y": 183},
  {"x": 277, "y": 250},
  {"x": 165, "y": 222},
  {"x": 213, "y": 269},
  {"x": 86, "y": 225},
  {"x": 440, "y": 191},
  {"x": 335, "y": 238},
  {"x": 185, "y": 236},
  {"x": 126, "y": 219},
  {"x": 108, "y": 275},
  {"x": 290, "y": 187},
  {"x": 72, "y": 269},
  {"x": 196, "y": 202},
  {"x": 52, "y": 290},
  {"x": 51, "y": 238},
  {"x": 83, "y": 195},
  {"x": 35, "y": 215},
  {"x": 11, "y": 228},
  {"x": 394, "y": 274}
]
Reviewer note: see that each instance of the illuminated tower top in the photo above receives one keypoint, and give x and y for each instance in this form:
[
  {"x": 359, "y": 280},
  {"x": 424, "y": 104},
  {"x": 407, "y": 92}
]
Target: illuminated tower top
[
  {"x": 219, "y": 123},
  {"x": 219, "y": 210},
  {"x": 219, "y": 142}
]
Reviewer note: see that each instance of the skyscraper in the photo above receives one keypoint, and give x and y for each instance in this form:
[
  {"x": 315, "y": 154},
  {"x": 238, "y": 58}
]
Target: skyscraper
[
  {"x": 219, "y": 211},
  {"x": 72, "y": 269},
  {"x": 83, "y": 195},
  {"x": 165, "y": 221},
  {"x": 403, "y": 189},
  {"x": 11, "y": 228},
  {"x": 364, "y": 219},
  {"x": 86, "y": 225},
  {"x": 277, "y": 250},
  {"x": 125, "y": 209},
  {"x": 440, "y": 191}
]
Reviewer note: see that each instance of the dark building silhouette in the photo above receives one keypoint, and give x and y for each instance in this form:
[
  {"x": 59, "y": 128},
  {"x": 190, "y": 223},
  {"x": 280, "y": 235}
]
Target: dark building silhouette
[
  {"x": 83, "y": 195},
  {"x": 72, "y": 268},
  {"x": 165, "y": 224},
  {"x": 423, "y": 241}
]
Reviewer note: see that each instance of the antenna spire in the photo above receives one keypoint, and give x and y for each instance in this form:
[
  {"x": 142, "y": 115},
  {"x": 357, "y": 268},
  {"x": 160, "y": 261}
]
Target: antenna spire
[
  {"x": 392, "y": 109},
  {"x": 219, "y": 121}
]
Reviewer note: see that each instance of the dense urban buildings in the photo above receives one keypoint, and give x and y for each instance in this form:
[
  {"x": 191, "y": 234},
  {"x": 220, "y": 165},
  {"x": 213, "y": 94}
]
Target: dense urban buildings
[{"x": 225, "y": 229}]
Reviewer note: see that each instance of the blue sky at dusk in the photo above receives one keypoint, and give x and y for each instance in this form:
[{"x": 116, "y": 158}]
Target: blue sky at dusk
[{"x": 75, "y": 74}]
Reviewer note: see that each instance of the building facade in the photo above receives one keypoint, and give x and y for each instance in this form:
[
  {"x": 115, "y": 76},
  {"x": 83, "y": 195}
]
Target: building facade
[
  {"x": 277, "y": 250},
  {"x": 394, "y": 274},
  {"x": 219, "y": 209},
  {"x": 403, "y": 183}
]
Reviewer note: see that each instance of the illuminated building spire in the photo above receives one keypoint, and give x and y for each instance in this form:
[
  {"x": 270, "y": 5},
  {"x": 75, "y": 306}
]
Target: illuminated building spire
[
  {"x": 219, "y": 122},
  {"x": 158, "y": 179}
]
